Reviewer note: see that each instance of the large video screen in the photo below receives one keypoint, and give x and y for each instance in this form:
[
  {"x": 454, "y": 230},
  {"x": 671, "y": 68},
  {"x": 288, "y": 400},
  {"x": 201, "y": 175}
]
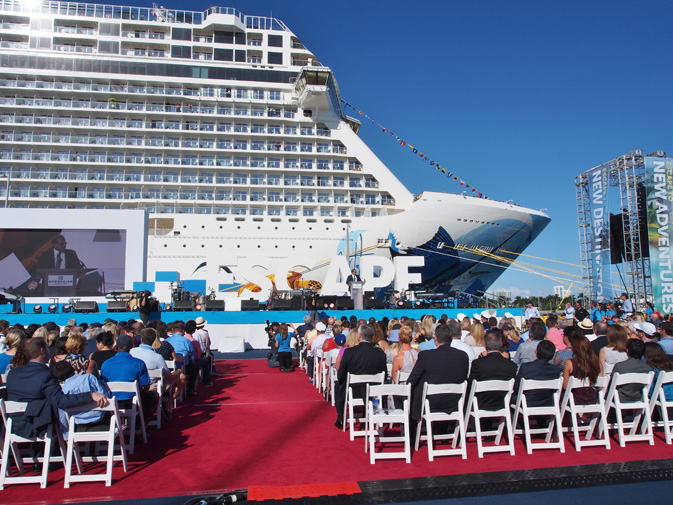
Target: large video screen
[{"x": 55, "y": 262}]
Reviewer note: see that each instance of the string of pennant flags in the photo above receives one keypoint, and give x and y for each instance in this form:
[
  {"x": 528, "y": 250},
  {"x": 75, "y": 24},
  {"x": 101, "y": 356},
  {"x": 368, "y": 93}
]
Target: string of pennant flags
[{"x": 417, "y": 151}]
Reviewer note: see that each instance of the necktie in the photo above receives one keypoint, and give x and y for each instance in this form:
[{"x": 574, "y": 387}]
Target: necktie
[{"x": 59, "y": 260}]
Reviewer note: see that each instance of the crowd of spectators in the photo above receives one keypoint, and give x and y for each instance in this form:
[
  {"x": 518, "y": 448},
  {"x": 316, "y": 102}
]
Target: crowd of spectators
[
  {"x": 54, "y": 368},
  {"x": 483, "y": 347}
]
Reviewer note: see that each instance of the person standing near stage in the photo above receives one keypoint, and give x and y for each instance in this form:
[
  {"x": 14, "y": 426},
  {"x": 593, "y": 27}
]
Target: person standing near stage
[
  {"x": 144, "y": 306},
  {"x": 531, "y": 311},
  {"x": 283, "y": 339},
  {"x": 627, "y": 306},
  {"x": 570, "y": 311}
]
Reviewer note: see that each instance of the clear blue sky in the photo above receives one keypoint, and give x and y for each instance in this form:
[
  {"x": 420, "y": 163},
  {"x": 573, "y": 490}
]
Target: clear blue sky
[{"x": 514, "y": 97}]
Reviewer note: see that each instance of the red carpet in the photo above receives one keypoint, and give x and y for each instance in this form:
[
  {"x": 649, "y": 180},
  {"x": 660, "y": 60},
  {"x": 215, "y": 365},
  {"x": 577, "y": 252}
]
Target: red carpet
[{"x": 273, "y": 434}]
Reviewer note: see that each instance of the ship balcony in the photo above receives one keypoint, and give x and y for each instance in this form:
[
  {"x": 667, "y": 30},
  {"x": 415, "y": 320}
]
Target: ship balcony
[
  {"x": 13, "y": 44},
  {"x": 15, "y": 26},
  {"x": 71, "y": 48},
  {"x": 76, "y": 30}
]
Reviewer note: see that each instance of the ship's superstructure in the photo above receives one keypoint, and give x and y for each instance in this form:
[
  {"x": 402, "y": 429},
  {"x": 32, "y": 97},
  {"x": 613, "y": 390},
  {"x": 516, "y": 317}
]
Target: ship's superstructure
[{"x": 229, "y": 132}]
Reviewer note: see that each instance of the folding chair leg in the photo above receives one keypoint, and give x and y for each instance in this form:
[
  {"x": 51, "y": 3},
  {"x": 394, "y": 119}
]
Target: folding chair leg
[
  {"x": 419, "y": 427},
  {"x": 45, "y": 461}
]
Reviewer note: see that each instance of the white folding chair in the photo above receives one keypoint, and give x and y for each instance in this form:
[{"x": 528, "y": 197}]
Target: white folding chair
[
  {"x": 640, "y": 409},
  {"x": 503, "y": 415},
  {"x": 427, "y": 415},
  {"x": 157, "y": 375},
  {"x": 551, "y": 412},
  {"x": 332, "y": 383},
  {"x": 402, "y": 377},
  {"x": 11, "y": 447},
  {"x": 351, "y": 402},
  {"x": 128, "y": 416},
  {"x": 586, "y": 418},
  {"x": 378, "y": 417},
  {"x": 658, "y": 401},
  {"x": 324, "y": 378},
  {"x": 607, "y": 369},
  {"x": 389, "y": 371},
  {"x": 114, "y": 432},
  {"x": 174, "y": 365}
]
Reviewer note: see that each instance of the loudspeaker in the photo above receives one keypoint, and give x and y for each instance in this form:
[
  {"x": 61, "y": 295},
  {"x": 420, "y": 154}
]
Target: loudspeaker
[
  {"x": 296, "y": 303},
  {"x": 282, "y": 305},
  {"x": 214, "y": 304},
  {"x": 373, "y": 303},
  {"x": 183, "y": 305},
  {"x": 116, "y": 306},
  {"x": 249, "y": 305},
  {"x": 85, "y": 306},
  {"x": 464, "y": 305},
  {"x": 344, "y": 303}
]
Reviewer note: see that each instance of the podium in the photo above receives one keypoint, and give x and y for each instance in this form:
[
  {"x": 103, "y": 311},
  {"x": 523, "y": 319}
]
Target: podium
[
  {"x": 357, "y": 294},
  {"x": 61, "y": 281}
]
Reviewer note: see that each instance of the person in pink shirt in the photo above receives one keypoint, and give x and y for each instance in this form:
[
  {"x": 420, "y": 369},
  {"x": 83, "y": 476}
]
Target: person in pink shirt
[{"x": 554, "y": 334}]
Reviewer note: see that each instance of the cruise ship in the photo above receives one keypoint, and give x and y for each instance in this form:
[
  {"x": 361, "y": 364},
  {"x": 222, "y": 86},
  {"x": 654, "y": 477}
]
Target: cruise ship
[{"x": 231, "y": 135}]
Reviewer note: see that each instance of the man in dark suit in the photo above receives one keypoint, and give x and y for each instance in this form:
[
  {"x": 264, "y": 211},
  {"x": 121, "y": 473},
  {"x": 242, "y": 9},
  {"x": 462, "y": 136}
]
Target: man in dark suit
[
  {"x": 58, "y": 256},
  {"x": 493, "y": 366},
  {"x": 540, "y": 369},
  {"x": 443, "y": 365},
  {"x": 363, "y": 359},
  {"x": 353, "y": 276},
  {"x": 601, "y": 340},
  {"x": 34, "y": 383}
]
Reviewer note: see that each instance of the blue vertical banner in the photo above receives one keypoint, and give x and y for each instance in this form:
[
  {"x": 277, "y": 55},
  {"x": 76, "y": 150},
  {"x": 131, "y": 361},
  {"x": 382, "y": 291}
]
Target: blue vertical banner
[
  {"x": 601, "y": 280},
  {"x": 659, "y": 184}
]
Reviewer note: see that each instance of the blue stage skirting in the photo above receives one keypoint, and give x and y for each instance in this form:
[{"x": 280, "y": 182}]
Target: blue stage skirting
[{"x": 244, "y": 317}]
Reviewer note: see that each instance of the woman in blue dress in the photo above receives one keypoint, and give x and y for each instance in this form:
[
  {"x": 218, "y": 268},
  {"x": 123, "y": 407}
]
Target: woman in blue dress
[
  {"x": 283, "y": 339},
  {"x": 12, "y": 340}
]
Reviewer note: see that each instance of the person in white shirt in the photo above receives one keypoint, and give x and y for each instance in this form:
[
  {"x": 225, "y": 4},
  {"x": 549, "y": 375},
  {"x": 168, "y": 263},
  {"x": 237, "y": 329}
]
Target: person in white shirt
[
  {"x": 531, "y": 312},
  {"x": 570, "y": 311}
]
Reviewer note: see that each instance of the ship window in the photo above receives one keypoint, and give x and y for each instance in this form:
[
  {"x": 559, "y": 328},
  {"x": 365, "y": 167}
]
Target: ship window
[
  {"x": 181, "y": 52},
  {"x": 109, "y": 29},
  {"x": 108, "y": 47},
  {"x": 275, "y": 41},
  {"x": 240, "y": 38},
  {"x": 223, "y": 54},
  {"x": 275, "y": 58},
  {"x": 239, "y": 55},
  {"x": 224, "y": 37},
  {"x": 182, "y": 34}
]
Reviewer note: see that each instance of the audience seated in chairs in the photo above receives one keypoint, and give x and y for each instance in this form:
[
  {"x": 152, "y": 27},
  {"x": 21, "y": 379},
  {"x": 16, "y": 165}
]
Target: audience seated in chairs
[
  {"x": 72, "y": 383},
  {"x": 30, "y": 380},
  {"x": 123, "y": 367}
]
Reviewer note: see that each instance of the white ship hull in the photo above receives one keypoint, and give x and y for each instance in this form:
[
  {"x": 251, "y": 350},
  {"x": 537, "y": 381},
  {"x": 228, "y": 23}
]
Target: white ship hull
[{"x": 230, "y": 134}]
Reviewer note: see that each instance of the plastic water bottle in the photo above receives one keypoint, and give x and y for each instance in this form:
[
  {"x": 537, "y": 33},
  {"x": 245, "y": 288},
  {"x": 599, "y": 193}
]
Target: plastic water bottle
[{"x": 376, "y": 404}]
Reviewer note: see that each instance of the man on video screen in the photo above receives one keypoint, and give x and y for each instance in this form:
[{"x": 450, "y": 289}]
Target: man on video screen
[{"x": 58, "y": 256}]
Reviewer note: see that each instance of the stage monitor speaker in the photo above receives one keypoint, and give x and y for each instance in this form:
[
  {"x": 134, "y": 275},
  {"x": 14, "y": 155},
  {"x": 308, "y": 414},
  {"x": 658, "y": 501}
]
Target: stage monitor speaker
[
  {"x": 183, "y": 305},
  {"x": 249, "y": 305},
  {"x": 85, "y": 306},
  {"x": 373, "y": 303},
  {"x": 464, "y": 305},
  {"x": 344, "y": 303},
  {"x": 297, "y": 303},
  {"x": 116, "y": 306},
  {"x": 214, "y": 304},
  {"x": 282, "y": 305}
]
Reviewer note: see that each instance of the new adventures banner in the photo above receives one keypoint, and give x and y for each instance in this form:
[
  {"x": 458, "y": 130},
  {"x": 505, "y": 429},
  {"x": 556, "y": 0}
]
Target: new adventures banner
[
  {"x": 601, "y": 281},
  {"x": 659, "y": 181}
]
